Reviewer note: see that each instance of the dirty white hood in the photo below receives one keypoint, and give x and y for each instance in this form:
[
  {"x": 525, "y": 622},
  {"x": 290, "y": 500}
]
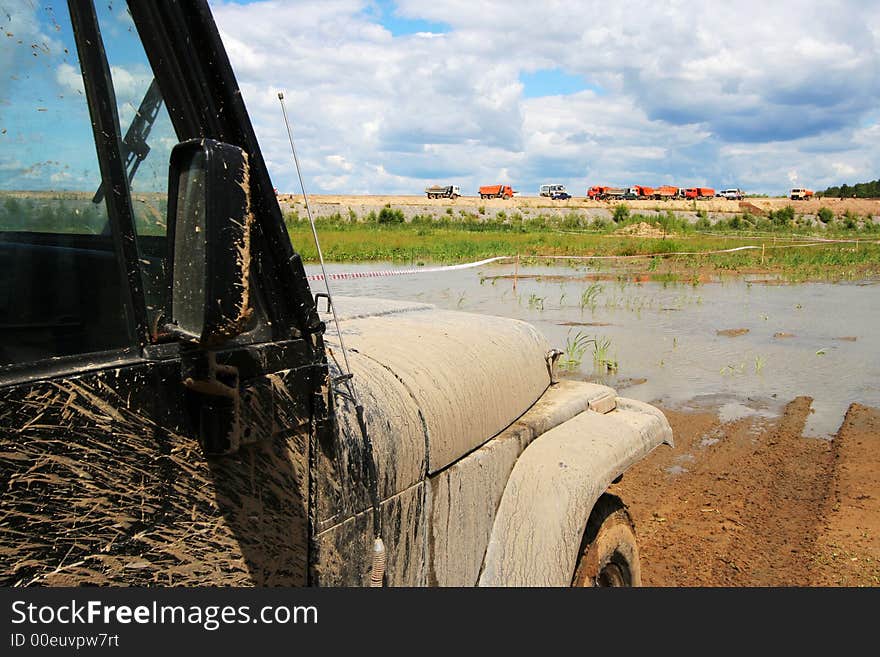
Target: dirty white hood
[{"x": 467, "y": 376}]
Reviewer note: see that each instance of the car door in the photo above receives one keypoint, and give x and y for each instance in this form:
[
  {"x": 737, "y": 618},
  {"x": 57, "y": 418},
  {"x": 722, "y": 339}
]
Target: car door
[{"x": 116, "y": 469}]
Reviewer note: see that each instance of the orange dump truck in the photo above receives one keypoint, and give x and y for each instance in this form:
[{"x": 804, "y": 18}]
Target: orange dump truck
[
  {"x": 496, "y": 191},
  {"x": 644, "y": 192},
  {"x": 605, "y": 193},
  {"x": 665, "y": 192},
  {"x": 699, "y": 193}
]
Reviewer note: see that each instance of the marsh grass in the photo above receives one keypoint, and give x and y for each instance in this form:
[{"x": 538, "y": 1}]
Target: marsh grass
[
  {"x": 536, "y": 302},
  {"x": 447, "y": 238},
  {"x": 601, "y": 359},
  {"x": 573, "y": 353},
  {"x": 576, "y": 347},
  {"x": 590, "y": 296}
]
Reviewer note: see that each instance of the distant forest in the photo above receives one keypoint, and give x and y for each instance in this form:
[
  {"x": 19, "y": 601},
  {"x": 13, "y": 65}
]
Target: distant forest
[{"x": 859, "y": 190}]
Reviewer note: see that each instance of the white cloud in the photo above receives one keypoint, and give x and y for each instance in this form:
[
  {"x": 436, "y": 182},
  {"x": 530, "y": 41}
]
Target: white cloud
[
  {"x": 69, "y": 79},
  {"x": 733, "y": 94}
]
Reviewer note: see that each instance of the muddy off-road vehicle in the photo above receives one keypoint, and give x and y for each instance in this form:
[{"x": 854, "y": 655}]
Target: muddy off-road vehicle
[{"x": 174, "y": 409}]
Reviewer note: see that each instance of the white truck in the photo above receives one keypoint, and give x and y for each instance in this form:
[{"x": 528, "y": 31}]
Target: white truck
[
  {"x": 443, "y": 191},
  {"x": 551, "y": 189}
]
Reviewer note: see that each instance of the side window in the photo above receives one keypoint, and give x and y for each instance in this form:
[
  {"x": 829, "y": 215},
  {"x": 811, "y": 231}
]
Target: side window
[
  {"x": 62, "y": 291},
  {"x": 148, "y": 138}
]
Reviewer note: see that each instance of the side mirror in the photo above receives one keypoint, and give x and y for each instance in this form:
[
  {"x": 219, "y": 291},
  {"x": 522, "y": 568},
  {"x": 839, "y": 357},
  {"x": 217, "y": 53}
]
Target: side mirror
[{"x": 209, "y": 223}]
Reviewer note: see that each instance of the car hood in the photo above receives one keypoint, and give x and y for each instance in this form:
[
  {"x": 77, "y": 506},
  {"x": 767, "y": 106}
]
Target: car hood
[{"x": 435, "y": 384}]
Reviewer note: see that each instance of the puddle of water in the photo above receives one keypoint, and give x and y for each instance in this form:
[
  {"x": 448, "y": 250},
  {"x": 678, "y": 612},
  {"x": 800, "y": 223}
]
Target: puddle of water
[
  {"x": 733, "y": 411},
  {"x": 675, "y": 469},
  {"x": 679, "y": 357}
]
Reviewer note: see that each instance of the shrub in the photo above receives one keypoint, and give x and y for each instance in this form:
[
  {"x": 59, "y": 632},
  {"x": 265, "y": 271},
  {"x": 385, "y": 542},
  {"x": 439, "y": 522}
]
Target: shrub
[
  {"x": 825, "y": 215},
  {"x": 571, "y": 220},
  {"x": 291, "y": 218},
  {"x": 850, "y": 220},
  {"x": 389, "y": 216},
  {"x": 782, "y": 217},
  {"x": 621, "y": 213},
  {"x": 670, "y": 222}
]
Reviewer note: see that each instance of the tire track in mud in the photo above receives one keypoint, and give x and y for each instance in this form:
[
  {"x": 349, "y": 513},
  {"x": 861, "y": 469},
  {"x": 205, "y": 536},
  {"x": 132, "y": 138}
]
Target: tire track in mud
[
  {"x": 848, "y": 551},
  {"x": 734, "y": 504},
  {"x": 783, "y": 515}
]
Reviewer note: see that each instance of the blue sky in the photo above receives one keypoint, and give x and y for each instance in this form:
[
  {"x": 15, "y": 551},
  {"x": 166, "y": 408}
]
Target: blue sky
[
  {"x": 388, "y": 97},
  {"x": 554, "y": 82},
  {"x": 387, "y": 15}
]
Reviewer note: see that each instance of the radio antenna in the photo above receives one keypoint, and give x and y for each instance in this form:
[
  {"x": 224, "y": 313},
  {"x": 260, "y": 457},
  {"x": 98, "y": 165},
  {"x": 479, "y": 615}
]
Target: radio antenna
[{"x": 377, "y": 571}]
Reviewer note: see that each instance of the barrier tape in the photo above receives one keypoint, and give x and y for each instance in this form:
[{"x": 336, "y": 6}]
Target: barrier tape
[
  {"x": 469, "y": 265},
  {"x": 403, "y": 272}
]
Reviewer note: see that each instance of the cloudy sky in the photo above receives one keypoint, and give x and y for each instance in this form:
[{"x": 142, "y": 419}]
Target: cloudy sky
[{"x": 386, "y": 97}]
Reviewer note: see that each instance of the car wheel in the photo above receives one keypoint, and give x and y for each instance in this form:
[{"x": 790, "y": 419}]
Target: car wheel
[{"x": 609, "y": 553}]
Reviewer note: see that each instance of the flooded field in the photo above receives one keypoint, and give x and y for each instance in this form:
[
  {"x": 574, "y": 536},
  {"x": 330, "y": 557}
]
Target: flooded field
[{"x": 742, "y": 347}]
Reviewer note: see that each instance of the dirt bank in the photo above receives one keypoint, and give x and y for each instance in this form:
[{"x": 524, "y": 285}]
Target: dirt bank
[
  {"x": 861, "y": 207},
  {"x": 752, "y": 503}
]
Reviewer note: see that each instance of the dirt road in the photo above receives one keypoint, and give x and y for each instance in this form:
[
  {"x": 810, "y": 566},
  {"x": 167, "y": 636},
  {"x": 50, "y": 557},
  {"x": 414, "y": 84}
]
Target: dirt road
[{"x": 752, "y": 503}]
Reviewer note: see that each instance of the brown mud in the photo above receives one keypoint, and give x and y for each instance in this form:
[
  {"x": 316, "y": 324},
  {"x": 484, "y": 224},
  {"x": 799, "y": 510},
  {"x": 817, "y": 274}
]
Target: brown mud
[{"x": 753, "y": 503}]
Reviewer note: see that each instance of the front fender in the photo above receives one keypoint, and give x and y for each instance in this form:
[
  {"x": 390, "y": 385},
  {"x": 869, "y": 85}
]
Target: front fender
[{"x": 556, "y": 481}]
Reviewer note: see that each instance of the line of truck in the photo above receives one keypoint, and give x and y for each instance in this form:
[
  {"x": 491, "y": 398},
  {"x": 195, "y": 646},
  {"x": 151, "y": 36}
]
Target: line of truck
[
  {"x": 663, "y": 193},
  {"x": 599, "y": 193},
  {"x": 454, "y": 191},
  {"x": 606, "y": 193}
]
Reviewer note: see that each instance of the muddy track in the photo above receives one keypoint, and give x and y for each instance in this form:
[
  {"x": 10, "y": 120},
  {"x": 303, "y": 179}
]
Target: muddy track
[
  {"x": 752, "y": 503},
  {"x": 848, "y": 549}
]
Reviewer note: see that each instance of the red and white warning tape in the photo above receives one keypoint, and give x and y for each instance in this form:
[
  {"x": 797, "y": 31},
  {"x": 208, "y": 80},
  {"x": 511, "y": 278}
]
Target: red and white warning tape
[{"x": 339, "y": 276}]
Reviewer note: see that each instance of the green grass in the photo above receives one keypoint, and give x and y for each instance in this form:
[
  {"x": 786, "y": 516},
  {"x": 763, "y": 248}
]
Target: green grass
[
  {"x": 446, "y": 243},
  {"x": 590, "y": 296},
  {"x": 575, "y": 348}
]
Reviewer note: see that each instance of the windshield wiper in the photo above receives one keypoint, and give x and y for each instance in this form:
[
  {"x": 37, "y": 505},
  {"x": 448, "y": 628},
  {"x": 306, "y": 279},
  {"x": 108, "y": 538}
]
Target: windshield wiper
[{"x": 134, "y": 146}]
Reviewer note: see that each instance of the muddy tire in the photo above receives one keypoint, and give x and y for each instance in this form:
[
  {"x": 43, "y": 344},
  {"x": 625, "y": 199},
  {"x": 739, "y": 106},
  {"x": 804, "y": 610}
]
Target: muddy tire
[{"x": 609, "y": 554}]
